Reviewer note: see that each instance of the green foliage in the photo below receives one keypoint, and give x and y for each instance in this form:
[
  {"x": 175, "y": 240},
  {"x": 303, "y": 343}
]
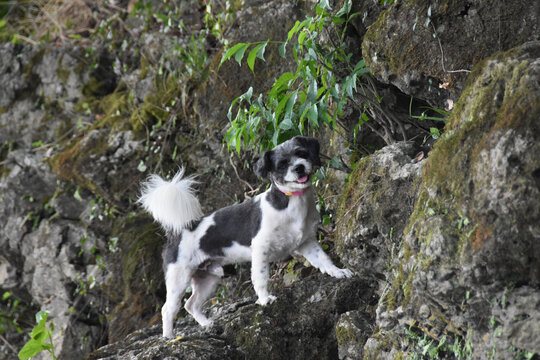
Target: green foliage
[
  {"x": 39, "y": 336},
  {"x": 424, "y": 347},
  {"x": 9, "y": 313},
  {"x": 300, "y": 101}
]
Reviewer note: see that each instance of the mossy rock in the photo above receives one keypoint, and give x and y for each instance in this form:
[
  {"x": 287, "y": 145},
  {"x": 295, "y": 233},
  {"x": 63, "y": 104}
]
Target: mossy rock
[
  {"x": 474, "y": 228},
  {"x": 426, "y": 48},
  {"x": 374, "y": 207},
  {"x": 138, "y": 282}
]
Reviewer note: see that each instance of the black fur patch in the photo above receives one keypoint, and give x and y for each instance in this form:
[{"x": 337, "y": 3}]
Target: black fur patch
[
  {"x": 277, "y": 199},
  {"x": 313, "y": 147},
  {"x": 170, "y": 250},
  {"x": 239, "y": 223},
  {"x": 264, "y": 165}
]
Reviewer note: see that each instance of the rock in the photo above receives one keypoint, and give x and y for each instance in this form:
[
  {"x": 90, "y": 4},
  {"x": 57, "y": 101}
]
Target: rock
[
  {"x": 256, "y": 22},
  {"x": 49, "y": 268},
  {"x": 351, "y": 330},
  {"x": 149, "y": 344},
  {"x": 298, "y": 325},
  {"x": 429, "y": 240},
  {"x": 470, "y": 245},
  {"x": 13, "y": 59},
  {"x": 374, "y": 207},
  {"x": 426, "y": 49}
]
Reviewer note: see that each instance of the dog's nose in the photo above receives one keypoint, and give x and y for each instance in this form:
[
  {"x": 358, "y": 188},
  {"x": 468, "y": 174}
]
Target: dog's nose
[{"x": 300, "y": 169}]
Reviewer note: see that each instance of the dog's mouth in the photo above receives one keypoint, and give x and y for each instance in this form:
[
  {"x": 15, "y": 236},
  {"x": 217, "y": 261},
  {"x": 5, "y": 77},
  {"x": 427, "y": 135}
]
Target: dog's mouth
[{"x": 302, "y": 179}]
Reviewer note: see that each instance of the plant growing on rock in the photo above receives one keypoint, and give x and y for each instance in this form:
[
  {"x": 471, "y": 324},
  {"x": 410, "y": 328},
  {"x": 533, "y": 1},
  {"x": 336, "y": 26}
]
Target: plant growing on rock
[
  {"x": 326, "y": 79},
  {"x": 304, "y": 100},
  {"x": 39, "y": 336}
]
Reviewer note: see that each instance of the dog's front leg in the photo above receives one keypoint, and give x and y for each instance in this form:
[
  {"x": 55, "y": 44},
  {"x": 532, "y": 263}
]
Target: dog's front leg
[
  {"x": 260, "y": 274},
  {"x": 316, "y": 256}
]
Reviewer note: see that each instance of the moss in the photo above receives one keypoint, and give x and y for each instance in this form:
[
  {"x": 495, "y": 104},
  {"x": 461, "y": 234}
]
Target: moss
[
  {"x": 350, "y": 197},
  {"x": 116, "y": 108},
  {"x": 386, "y": 341},
  {"x": 68, "y": 163},
  {"x": 349, "y": 334},
  {"x": 144, "y": 65},
  {"x": 140, "y": 289},
  {"x": 142, "y": 254},
  {"x": 61, "y": 72}
]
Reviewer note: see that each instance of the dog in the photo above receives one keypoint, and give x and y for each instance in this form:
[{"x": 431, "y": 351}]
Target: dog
[{"x": 273, "y": 225}]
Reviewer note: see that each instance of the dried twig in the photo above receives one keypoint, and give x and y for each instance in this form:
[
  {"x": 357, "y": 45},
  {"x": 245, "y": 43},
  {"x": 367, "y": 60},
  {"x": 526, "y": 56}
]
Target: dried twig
[{"x": 442, "y": 55}]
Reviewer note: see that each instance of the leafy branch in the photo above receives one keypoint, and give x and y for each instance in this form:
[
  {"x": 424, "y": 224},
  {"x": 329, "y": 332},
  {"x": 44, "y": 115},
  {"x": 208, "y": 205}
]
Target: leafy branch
[
  {"x": 326, "y": 80},
  {"x": 306, "y": 99},
  {"x": 38, "y": 337}
]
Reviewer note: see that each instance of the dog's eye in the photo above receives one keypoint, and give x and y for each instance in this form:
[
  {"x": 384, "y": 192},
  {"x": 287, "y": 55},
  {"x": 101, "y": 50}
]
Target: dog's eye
[
  {"x": 302, "y": 154},
  {"x": 282, "y": 164}
]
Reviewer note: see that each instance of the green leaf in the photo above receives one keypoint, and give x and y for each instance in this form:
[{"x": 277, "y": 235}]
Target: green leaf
[
  {"x": 281, "y": 105},
  {"x": 325, "y": 4},
  {"x": 296, "y": 28},
  {"x": 2, "y": 23},
  {"x": 293, "y": 30},
  {"x": 30, "y": 349},
  {"x": 77, "y": 194},
  {"x": 289, "y": 108},
  {"x": 313, "y": 115},
  {"x": 365, "y": 118},
  {"x": 240, "y": 54},
  {"x": 286, "y": 124},
  {"x": 312, "y": 91},
  {"x": 41, "y": 319},
  {"x": 37, "y": 337},
  {"x": 231, "y": 52},
  {"x": 248, "y": 94},
  {"x": 261, "y": 50},
  {"x": 345, "y": 9},
  {"x": 275, "y": 137},
  {"x": 256, "y": 52},
  {"x": 283, "y": 81},
  {"x": 282, "y": 49},
  {"x": 338, "y": 20},
  {"x": 434, "y": 132},
  {"x": 302, "y": 37}
]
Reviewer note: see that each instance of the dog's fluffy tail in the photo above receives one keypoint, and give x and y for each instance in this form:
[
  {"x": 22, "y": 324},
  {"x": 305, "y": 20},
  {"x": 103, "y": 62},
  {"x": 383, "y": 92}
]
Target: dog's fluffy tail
[{"x": 172, "y": 203}]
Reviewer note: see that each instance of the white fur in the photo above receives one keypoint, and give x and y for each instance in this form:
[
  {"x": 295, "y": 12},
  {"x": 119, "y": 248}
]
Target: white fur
[{"x": 172, "y": 203}]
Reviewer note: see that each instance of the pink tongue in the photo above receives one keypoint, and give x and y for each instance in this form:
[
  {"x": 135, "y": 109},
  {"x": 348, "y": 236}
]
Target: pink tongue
[{"x": 303, "y": 179}]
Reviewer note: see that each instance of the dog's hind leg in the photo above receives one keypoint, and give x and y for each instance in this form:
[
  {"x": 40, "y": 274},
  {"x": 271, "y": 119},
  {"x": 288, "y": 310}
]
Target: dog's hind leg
[
  {"x": 204, "y": 284},
  {"x": 177, "y": 280}
]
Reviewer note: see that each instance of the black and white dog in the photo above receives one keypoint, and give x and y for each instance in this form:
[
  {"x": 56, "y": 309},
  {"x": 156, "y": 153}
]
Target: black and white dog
[{"x": 271, "y": 226}]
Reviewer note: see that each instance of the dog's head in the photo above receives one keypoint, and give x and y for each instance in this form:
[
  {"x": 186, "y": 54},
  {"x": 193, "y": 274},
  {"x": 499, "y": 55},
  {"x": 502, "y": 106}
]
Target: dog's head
[{"x": 290, "y": 164}]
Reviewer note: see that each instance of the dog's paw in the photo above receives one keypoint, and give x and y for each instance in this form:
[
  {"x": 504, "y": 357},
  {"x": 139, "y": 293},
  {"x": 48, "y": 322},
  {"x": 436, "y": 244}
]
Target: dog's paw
[
  {"x": 267, "y": 300},
  {"x": 341, "y": 273}
]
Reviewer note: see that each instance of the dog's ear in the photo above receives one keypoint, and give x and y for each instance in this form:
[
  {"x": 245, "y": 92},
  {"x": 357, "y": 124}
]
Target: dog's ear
[
  {"x": 264, "y": 165},
  {"x": 312, "y": 146}
]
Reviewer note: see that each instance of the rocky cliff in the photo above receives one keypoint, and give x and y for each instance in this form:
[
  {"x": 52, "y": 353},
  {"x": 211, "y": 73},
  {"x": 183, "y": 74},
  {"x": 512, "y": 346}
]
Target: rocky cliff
[{"x": 443, "y": 238}]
